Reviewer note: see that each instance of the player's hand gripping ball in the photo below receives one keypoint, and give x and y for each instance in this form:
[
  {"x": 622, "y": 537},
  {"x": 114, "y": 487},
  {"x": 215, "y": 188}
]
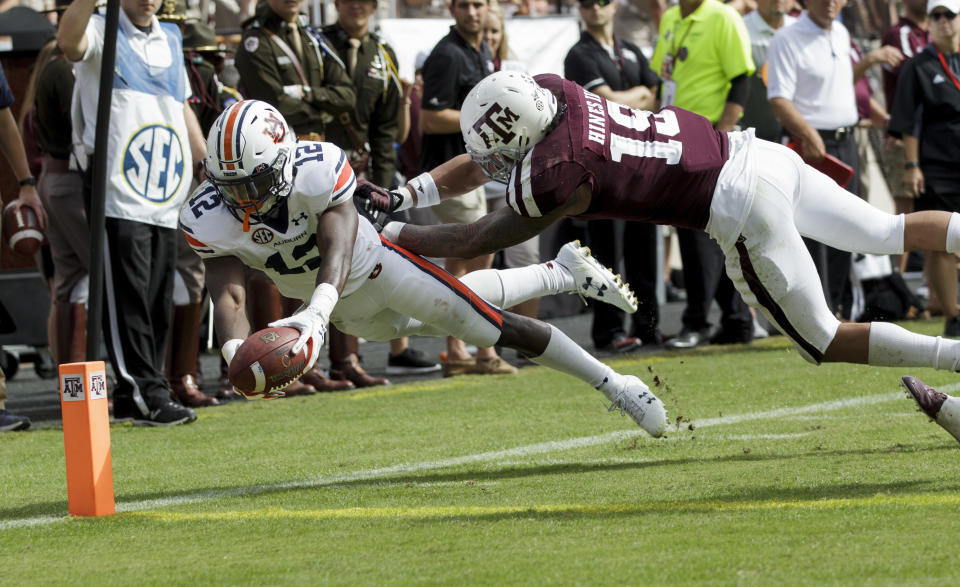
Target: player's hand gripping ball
[
  {"x": 264, "y": 363},
  {"x": 22, "y": 229}
]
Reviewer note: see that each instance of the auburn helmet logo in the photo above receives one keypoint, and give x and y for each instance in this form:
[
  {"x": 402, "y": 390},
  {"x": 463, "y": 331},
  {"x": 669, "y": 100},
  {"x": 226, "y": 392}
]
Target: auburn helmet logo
[{"x": 274, "y": 128}]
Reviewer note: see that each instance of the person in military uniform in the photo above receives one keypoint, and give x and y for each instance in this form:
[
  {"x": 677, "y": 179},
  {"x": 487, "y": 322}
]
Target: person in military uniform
[
  {"x": 293, "y": 68},
  {"x": 368, "y": 134}
]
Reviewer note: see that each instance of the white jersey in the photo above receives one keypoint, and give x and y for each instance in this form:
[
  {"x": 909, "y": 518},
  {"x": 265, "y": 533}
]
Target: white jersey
[{"x": 285, "y": 246}]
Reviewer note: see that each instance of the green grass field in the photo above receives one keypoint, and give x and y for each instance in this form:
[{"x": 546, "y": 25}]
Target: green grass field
[{"x": 773, "y": 472}]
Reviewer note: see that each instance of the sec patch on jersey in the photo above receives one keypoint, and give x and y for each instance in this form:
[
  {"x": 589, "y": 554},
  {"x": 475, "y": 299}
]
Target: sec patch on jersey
[
  {"x": 264, "y": 363},
  {"x": 22, "y": 229}
]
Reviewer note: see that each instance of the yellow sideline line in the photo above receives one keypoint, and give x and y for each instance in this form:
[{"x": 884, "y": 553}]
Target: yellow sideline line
[
  {"x": 395, "y": 390},
  {"x": 272, "y": 513}
]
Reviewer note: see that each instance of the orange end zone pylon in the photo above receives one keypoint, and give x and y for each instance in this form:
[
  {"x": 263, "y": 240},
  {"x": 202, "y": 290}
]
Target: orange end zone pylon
[{"x": 86, "y": 438}]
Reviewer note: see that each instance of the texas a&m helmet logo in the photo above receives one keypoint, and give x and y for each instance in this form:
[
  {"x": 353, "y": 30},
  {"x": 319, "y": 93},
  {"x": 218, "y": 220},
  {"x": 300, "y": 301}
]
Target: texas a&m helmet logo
[{"x": 496, "y": 120}]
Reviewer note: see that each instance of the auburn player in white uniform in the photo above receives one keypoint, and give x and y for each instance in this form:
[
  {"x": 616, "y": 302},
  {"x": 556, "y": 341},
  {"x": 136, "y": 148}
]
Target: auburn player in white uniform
[{"x": 286, "y": 208}]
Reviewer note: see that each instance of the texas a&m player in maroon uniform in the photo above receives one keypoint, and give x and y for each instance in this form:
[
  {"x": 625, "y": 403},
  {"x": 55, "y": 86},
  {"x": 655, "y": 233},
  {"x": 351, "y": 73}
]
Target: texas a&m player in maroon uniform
[{"x": 563, "y": 151}]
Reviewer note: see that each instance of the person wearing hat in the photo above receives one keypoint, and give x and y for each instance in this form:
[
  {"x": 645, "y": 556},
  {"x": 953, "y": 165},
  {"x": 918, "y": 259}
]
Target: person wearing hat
[{"x": 926, "y": 115}]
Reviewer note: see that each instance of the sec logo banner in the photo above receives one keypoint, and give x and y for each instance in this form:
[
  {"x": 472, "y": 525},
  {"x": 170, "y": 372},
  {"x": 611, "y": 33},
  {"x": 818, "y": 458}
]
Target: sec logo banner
[{"x": 153, "y": 163}]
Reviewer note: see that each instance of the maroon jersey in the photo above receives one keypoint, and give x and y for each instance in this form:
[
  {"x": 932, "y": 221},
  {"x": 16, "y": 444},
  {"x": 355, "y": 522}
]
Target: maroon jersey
[
  {"x": 910, "y": 39},
  {"x": 655, "y": 167}
]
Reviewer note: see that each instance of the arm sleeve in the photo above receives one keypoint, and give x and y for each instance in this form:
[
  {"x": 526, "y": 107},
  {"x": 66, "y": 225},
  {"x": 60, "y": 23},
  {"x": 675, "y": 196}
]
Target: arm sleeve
[
  {"x": 440, "y": 75},
  {"x": 739, "y": 89},
  {"x": 580, "y": 68}
]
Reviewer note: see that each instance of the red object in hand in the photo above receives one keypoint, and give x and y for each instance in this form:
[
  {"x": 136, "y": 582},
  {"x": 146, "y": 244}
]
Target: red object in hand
[
  {"x": 265, "y": 364},
  {"x": 22, "y": 229},
  {"x": 830, "y": 166}
]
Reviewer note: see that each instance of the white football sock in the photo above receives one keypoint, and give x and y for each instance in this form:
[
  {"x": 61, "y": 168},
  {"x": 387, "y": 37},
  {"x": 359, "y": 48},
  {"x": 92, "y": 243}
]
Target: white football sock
[
  {"x": 892, "y": 346},
  {"x": 506, "y": 288},
  {"x": 568, "y": 357},
  {"x": 953, "y": 234}
]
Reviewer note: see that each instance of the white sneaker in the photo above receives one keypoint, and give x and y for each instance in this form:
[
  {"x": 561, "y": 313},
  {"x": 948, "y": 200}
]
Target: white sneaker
[
  {"x": 942, "y": 408},
  {"x": 593, "y": 280},
  {"x": 636, "y": 399}
]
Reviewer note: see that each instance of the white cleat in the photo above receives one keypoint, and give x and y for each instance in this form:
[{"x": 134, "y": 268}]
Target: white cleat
[
  {"x": 636, "y": 399},
  {"x": 593, "y": 280},
  {"x": 942, "y": 408}
]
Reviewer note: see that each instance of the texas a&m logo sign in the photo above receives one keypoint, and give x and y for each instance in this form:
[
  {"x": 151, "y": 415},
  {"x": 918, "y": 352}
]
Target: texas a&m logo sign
[
  {"x": 73, "y": 388},
  {"x": 498, "y": 121}
]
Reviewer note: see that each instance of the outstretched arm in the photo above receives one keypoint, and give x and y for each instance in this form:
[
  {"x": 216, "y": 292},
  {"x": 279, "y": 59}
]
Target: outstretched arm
[
  {"x": 497, "y": 230},
  {"x": 225, "y": 278}
]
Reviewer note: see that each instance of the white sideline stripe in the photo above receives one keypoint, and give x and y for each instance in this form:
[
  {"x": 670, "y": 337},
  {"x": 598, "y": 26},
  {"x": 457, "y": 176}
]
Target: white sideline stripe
[{"x": 520, "y": 451}]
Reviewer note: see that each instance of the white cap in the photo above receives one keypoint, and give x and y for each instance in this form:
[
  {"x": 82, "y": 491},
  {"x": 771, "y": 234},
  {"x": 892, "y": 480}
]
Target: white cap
[
  {"x": 422, "y": 58},
  {"x": 951, "y": 5}
]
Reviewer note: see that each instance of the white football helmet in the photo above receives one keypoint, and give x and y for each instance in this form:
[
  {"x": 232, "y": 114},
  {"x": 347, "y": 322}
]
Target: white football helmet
[
  {"x": 250, "y": 154},
  {"x": 502, "y": 118}
]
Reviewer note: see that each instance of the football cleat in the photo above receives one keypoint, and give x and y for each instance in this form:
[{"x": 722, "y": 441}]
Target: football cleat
[
  {"x": 942, "y": 408},
  {"x": 593, "y": 280},
  {"x": 636, "y": 399}
]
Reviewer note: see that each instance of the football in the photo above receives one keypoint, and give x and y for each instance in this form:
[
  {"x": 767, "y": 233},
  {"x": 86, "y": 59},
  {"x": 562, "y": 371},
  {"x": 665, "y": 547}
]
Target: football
[
  {"x": 22, "y": 229},
  {"x": 264, "y": 363}
]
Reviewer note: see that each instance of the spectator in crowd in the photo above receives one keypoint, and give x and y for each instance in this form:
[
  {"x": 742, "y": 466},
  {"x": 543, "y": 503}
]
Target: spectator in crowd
[
  {"x": 926, "y": 116},
  {"x": 811, "y": 91},
  {"x": 703, "y": 56},
  {"x": 294, "y": 68},
  {"x": 367, "y": 135},
  {"x": 50, "y": 91},
  {"x": 11, "y": 144},
  {"x": 148, "y": 108},
  {"x": 769, "y": 17},
  {"x": 813, "y": 68},
  {"x": 454, "y": 66},
  {"x": 527, "y": 252},
  {"x": 616, "y": 69},
  {"x": 910, "y": 36}
]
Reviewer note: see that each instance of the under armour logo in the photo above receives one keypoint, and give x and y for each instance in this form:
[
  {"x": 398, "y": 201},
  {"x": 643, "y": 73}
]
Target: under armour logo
[
  {"x": 591, "y": 285},
  {"x": 296, "y": 221}
]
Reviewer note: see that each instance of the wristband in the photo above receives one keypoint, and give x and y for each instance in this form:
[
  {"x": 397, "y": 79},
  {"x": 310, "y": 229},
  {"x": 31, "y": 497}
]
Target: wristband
[
  {"x": 323, "y": 300},
  {"x": 391, "y": 231},
  {"x": 911, "y": 165},
  {"x": 229, "y": 348},
  {"x": 426, "y": 190},
  {"x": 29, "y": 180}
]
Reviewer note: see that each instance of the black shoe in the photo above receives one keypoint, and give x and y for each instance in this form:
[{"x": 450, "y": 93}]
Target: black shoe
[
  {"x": 621, "y": 344},
  {"x": 651, "y": 338},
  {"x": 688, "y": 339},
  {"x": 166, "y": 413},
  {"x": 409, "y": 362},
  {"x": 10, "y": 421},
  {"x": 726, "y": 336},
  {"x": 675, "y": 294},
  {"x": 952, "y": 327}
]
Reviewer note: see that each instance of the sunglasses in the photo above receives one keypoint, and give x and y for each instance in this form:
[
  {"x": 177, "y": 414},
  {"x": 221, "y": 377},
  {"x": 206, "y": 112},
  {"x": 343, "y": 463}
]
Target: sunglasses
[
  {"x": 586, "y": 4},
  {"x": 935, "y": 16}
]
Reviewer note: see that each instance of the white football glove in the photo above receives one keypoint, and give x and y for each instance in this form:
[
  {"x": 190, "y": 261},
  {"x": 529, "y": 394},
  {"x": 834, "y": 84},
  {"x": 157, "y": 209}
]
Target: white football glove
[
  {"x": 229, "y": 348},
  {"x": 312, "y": 320}
]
